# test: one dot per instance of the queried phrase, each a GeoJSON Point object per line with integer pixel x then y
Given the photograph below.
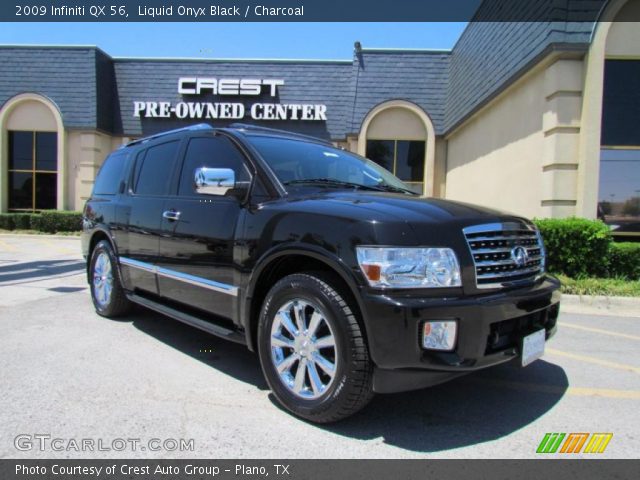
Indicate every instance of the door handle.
{"type": "Point", "coordinates": [171, 215]}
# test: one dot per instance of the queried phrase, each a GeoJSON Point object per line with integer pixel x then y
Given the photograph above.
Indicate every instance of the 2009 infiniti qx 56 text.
{"type": "Point", "coordinates": [344, 281]}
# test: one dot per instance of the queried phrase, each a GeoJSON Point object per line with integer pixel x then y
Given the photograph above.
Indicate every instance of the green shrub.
{"type": "Point", "coordinates": [50, 221]}
{"type": "Point", "coordinates": [624, 261]}
{"type": "Point", "coordinates": [7, 221]}
{"type": "Point", "coordinates": [576, 247]}
{"type": "Point", "coordinates": [53, 221]}
{"type": "Point", "coordinates": [22, 221]}
{"type": "Point", "coordinates": [34, 221]}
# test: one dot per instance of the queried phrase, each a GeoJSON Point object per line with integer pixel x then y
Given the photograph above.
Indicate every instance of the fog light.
{"type": "Point", "coordinates": [439, 335]}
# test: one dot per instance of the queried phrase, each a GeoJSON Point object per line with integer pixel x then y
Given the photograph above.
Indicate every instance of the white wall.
{"type": "Point", "coordinates": [495, 159]}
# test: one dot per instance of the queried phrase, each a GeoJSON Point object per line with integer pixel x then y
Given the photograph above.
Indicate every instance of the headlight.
{"type": "Point", "coordinates": [409, 267]}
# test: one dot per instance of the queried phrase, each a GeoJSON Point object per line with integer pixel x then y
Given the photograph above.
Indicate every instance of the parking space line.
{"type": "Point", "coordinates": [595, 361]}
{"type": "Point", "coordinates": [558, 390]}
{"type": "Point", "coordinates": [599, 330]}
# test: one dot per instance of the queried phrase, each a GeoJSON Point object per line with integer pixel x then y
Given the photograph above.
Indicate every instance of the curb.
{"type": "Point", "coordinates": [600, 305]}
{"type": "Point", "coordinates": [37, 235]}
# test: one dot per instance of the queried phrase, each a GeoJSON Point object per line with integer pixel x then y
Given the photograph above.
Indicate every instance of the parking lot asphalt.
{"type": "Point", "coordinates": [69, 375]}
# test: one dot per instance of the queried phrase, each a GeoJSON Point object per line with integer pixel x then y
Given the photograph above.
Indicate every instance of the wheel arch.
{"type": "Point", "coordinates": [277, 265]}
{"type": "Point", "coordinates": [98, 235]}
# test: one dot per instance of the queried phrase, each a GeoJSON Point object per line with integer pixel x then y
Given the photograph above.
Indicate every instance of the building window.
{"type": "Point", "coordinates": [619, 190]}
{"type": "Point", "coordinates": [33, 170]}
{"type": "Point", "coordinates": [619, 193]}
{"type": "Point", "coordinates": [403, 158]}
{"type": "Point", "coordinates": [621, 103]}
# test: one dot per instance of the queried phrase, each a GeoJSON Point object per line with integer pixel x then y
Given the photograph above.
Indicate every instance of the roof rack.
{"type": "Point", "coordinates": [199, 126]}
{"type": "Point", "coordinates": [257, 128]}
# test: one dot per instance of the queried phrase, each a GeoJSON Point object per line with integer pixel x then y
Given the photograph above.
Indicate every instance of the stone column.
{"type": "Point", "coordinates": [563, 87]}
{"type": "Point", "coordinates": [87, 151]}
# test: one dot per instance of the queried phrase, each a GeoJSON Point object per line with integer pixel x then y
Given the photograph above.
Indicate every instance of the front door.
{"type": "Point", "coordinates": [196, 263]}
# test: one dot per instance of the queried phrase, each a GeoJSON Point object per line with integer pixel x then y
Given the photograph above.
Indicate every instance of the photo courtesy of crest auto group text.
{"type": "Point", "coordinates": [302, 240]}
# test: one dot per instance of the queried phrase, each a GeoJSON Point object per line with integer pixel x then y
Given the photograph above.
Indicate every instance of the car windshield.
{"type": "Point", "coordinates": [300, 162]}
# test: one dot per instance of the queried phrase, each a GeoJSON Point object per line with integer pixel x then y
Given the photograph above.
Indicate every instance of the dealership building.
{"type": "Point", "coordinates": [537, 118]}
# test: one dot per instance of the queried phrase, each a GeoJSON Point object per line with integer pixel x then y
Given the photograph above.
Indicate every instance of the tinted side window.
{"type": "Point", "coordinates": [218, 152]}
{"type": "Point", "coordinates": [154, 173]}
{"type": "Point", "coordinates": [110, 175]}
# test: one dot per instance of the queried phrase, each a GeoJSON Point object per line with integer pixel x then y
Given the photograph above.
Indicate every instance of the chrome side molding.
{"type": "Point", "coordinates": [181, 277]}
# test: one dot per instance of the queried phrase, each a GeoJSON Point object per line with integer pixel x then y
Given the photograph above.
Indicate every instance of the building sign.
{"type": "Point", "coordinates": [189, 108]}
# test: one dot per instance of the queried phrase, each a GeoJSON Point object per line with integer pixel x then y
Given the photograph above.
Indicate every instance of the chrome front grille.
{"type": "Point", "coordinates": [505, 253]}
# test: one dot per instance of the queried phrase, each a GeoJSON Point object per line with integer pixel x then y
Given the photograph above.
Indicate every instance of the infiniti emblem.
{"type": "Point", "coordinates": [520, 256]}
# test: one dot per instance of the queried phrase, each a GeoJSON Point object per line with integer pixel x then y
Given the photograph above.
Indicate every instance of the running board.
{"type": "Point", "coordinates": [190, 320]}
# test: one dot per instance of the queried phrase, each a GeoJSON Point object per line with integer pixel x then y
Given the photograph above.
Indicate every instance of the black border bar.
{"type": "Point", "coordinates": [561, 469]}
{"type": "Point", "coordinates": [303, 11]}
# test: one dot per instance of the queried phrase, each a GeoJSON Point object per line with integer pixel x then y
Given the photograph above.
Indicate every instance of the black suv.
{"type": "Point", "coordinates": [342, 279]}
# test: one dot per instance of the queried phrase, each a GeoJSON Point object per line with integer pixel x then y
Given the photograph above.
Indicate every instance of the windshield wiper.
{"type": "Point", "coordinates": [330, 181]}
{"type": "Point", "coordinates": [390, 188]}
{"type": "Point", "coordinates": [381, 187]}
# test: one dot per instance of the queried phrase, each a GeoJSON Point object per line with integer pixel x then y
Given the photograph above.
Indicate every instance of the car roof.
{"type": "Point", "coordinates": [255, 130]}
{"type": "Point", "coordinates": [190, 128]}
{"type": "Point", "coordinates": [247, 130]}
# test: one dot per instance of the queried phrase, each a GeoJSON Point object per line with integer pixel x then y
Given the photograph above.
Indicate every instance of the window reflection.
{"type": "Point", "coordinates": [619, 192]}
{"type": "Point", "coordinates": [403, 158]}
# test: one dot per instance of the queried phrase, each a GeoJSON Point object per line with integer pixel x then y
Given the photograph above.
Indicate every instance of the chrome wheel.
{"type": "Point", "coordinates": [102, 279]}
{"type": "Point", "coordinates": [303, 349]}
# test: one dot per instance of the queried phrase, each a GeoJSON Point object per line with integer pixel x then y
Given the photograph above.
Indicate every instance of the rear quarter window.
{"type": "Point", "coordinates": [111, 174]}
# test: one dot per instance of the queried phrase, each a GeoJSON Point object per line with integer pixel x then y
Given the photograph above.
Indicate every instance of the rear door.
{"type": "Point", "coordinates": [196, 261]}
{"type": "Point", "coordinates": [141, 214]}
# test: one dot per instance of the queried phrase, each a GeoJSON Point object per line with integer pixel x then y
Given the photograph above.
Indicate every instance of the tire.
{"type": "Point", "coordinates": [306, 385]}
{"type": "Point", "coordinates": [107, 293]}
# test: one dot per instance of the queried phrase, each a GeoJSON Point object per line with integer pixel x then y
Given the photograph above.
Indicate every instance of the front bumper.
{"type": "Point", "coordinates": [490, 329]}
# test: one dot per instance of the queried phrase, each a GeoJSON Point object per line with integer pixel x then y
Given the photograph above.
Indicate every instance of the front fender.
{"type": "Point", "coordinates": [332, 261]}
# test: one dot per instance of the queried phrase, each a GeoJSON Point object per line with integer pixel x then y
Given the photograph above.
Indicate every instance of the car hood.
{"type": "Point", "coordinates": [412, 209]}
{"type": "Point", "coordinates": [432, 220]}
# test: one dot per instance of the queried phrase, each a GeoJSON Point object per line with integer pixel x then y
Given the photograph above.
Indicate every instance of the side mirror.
{"type": "Point", "coordinates": [214, 181]}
